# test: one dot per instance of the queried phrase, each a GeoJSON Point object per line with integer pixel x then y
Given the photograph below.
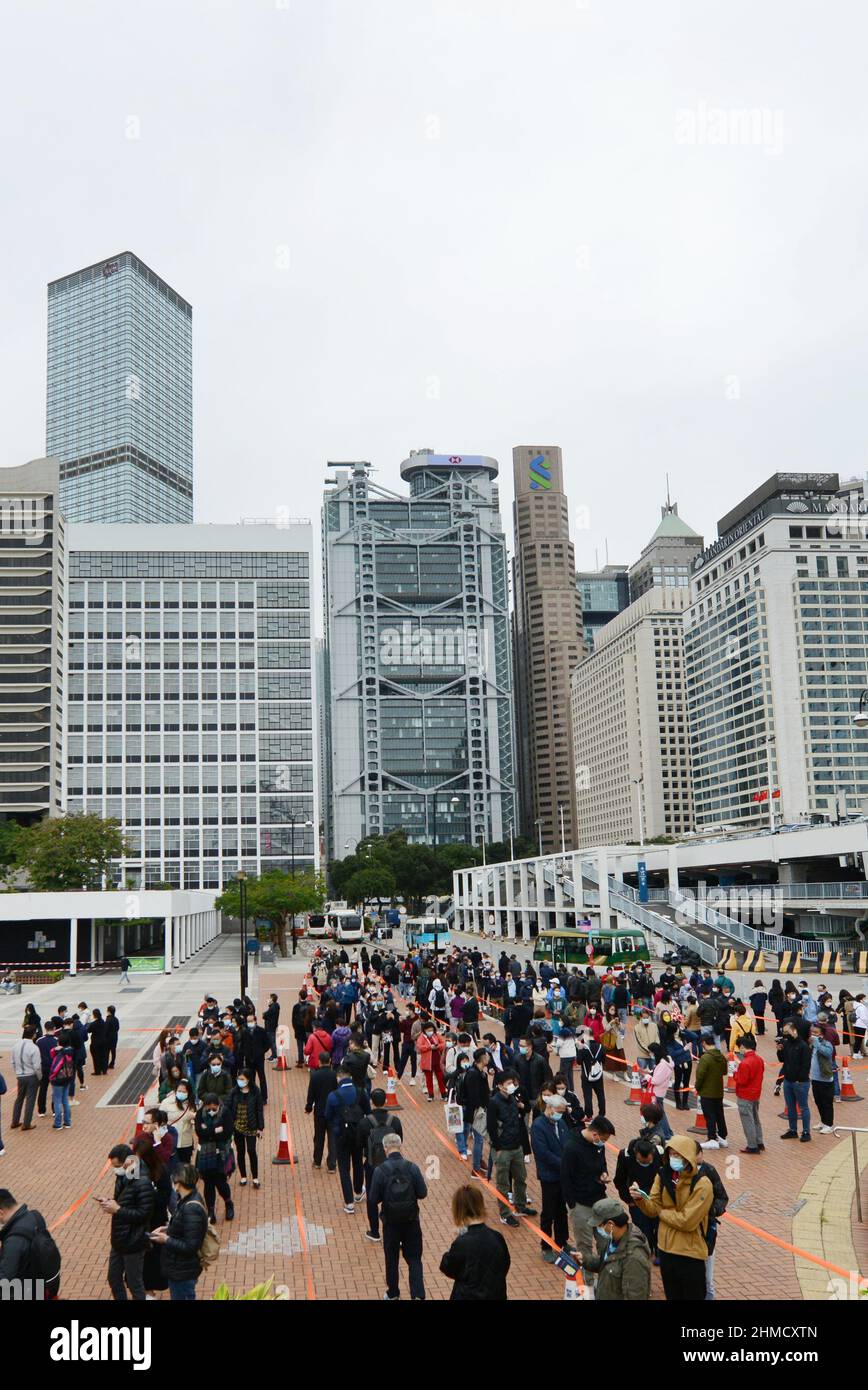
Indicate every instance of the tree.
{"type": "Point", "coordinates": [68, 852]}
{"type": "Point", "coordinates": [10, 832]}
{"type": "Point", "coordinates": [373, 881]}
{"type": "Point", "coordinates": [275, 898]}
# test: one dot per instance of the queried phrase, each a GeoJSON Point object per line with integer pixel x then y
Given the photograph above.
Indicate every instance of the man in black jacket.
{"type": "Point", "coordinates": [130, 1209]}
{"type": "Point", "coordinates": [253, 1045]}
{"type": "Point", "coordinates": [794, 1054]}
{"type": "Point", "coordinates": [584, 1177]}
{"type": "Point", "coordinates": [19, 1227]}
{"type": "Point", "coordinates": [505, 1132]}
{"type": "Point", "coordinates": [397, 1188]}
{"type": "Point", "coordinates": [474, 1093]}
{"type": "Point", "coordinates": [639, 1163]}
{"type": "Point", "coordinates": [322, 1082]}
{"type": "Point", "coordinates": [270, 1020]}
{"type": "Point", "coordinates": [372, 1133]}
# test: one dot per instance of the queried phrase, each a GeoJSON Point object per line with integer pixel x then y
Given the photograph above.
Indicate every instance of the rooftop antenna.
{"type": "Point", "coordinates": [596, 558]}
{"type": "Point", "coordinates": [668, 502]}
{"type": "Point", "coordinates": [606, 543]}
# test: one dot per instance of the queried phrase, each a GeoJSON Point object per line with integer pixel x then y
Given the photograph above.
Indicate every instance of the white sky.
{"type": "Point", "coordinates": [496, 235]}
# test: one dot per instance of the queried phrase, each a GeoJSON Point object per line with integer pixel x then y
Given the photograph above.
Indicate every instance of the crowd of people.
{"type": "Point", "coordinates": [533, 1098]}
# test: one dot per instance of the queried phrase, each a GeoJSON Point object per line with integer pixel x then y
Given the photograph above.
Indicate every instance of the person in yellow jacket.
{"type": "Point", "coordinates": [742, 1023]}
{"type": "Point", "coordinates": [681, 1199]}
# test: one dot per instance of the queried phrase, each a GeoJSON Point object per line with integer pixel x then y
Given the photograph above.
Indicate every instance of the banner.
{"type": "Point", "coordinates": [147, 965]}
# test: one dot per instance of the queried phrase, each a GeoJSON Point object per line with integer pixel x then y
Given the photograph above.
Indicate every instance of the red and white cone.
{"type": "Point", "coordinates": [140, 1118]}
{"type": "Point", "coordinates": [392, 1091]}
{"type": "Point", "coordinates": [731, 1067]}
{"type": "Point", "coordinates": [283, 1154]}
{"type": "Point", "coordinates": [637, 1095]}
{"type": "Point", "coordinates": [848, 1090]}
{"type": "Point", "coordinates": [699, 1126]}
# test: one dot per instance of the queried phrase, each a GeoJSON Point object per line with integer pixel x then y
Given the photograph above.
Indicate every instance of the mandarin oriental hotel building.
{"type": "Point", "coordinates": [189, 711]}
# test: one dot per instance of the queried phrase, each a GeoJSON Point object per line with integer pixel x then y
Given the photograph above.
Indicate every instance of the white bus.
{"type": "Point", "coordinates": [346, 927]}
{"type": "Point", "coordinates": [420, 934]}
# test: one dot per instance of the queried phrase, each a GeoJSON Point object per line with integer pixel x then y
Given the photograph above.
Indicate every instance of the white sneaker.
{"type": "Point", "coordinates": [723, 1143]}
{"type": "Point", "coordinates": [825, 1129]}
{"type": "Point", "coordinates": [710, 1144]}
{"type": "Point", "coordinates": [463, 1157]}
{"type": "Point", "coordinates": [412, 1081]}
{"type": "Point", "coordinates": [75, 1102]}
{"type": "Point", "coordinates": [350, 1210]}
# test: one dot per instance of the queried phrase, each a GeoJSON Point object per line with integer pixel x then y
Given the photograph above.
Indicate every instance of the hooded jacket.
{"type": "Point", "coordinates": [682, 1206]}
{"type": "Point", "coordinates": [319, 1041]}
{"type": "Point", "coordinates": [623, 1270]}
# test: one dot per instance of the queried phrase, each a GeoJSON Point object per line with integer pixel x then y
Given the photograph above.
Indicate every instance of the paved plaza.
{"type": "Point", "coordinates": [294, 1229]}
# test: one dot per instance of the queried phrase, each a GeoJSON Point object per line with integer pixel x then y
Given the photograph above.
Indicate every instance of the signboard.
{"type": "Point", "coordinates": [642, 871]}
{"type": "Point", "coordinates": [147, 965]}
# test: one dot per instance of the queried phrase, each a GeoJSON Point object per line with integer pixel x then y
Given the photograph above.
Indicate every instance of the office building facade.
{"type": "Point", "coordinates": [667, 560]}
{"type": "Point", "coordinates": [189, 712]}
{"type": "Point", "coordinates": [32, 578]}
{"type": "Point", "coordinates": [548, 643]}
{"type": "Point", "coordinates": [629, 713]}
{"type": "Point", "coordinates": [776, 656]}
{"type": "Point", "coordinates": [417, 663]}
{"type": "Point", "coordinates": [119, 412]}
{"type": "Point", "coordinates": [603, 594]}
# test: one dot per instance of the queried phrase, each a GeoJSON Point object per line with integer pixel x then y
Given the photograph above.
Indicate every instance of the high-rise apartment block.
{"type": "Point", "coordinates": [549, 642]}
{"type": "Point", "coordinates": [189, 713]}
{"type": "Point", "coordinates": [417, 664]}
{"type": "Point", "coordinates": [119, 398]}
{"type": "Point", "coordinates": [776, 655]}
{"type": "Point", "coordinates": [31, 632]}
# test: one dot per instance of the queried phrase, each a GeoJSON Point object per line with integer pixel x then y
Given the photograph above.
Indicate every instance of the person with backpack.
{"type": "Point", "coordinates": [345, 1109]}
{"type": "Point", "coordinates": [130, 1209]}
{"type": "Point", "coordinates": [478, 1260]}
{"type": "Point", "coordinates": [372, 1132]}
{"type": "Point", "coordinates": [397, 1188]}
{"type": "Point", "coordinates": [183, 1238]}
{"type": "Point", "coordinates": [822, 1077]}
{"type": "Point", "coordinates": [590, 1059]}
{"type": "Point", "coordinates": [681, 1199]}
{"type": "Point", "coordinates": [61, 1076]}
{"type": "Point", "coordinates": [27, 1249]}
{"type": "Point", "coordinates": [437, 1000]}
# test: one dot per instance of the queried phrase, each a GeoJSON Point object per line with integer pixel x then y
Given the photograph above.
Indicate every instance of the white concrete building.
{"type": "Point", "coordinates": [776, 656]}
{"type": "Point", "coordinates": [629, 725]}
{"type": "Point", "coordinates": [189, 710]}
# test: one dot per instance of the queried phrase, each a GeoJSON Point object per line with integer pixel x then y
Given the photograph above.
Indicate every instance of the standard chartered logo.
{"type": "Point", "coordinates": [540, 473]}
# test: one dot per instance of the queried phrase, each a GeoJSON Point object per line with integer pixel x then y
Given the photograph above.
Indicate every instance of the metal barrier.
{"type": "Point", "coordinates": [853, 1130]}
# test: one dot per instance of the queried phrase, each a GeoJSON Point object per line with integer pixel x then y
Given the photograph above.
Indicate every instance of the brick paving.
{"type": "Point", "coordinates": [294, 1229]}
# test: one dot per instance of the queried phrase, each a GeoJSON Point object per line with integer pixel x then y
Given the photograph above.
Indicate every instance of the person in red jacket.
{"type": "Point", "coordinates": [319, 1041]}
{"type": "Point", "coordinates": [748, 1089]}
{"type": "Point", "coordinates": [431, 1045]}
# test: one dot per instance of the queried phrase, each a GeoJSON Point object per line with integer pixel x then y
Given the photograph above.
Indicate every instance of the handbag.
{"type": "Point", "coordinates": [229, 1162]}
{"type": "Point", "coordinates": [480, 1121]}
{"type": "Point", "coordinates": [454, 1115]}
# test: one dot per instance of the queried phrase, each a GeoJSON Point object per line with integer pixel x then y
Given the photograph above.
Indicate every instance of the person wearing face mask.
{"type": "Point", "coordinates": [130, 1208]}
{"type": "Point", "coordinates": [621, 1260]}
{"type": "Point", "coordinates": [639, 1163]}
{"type": "Point", "coordinates": [548, 1136]}
{"type": "Point", "coordinates": [506, 1130]}
{"type": "Point", "coordinates": [215, 1079]}
{"type": "Point", "coordinates": [246, 1116]}
{"type": "Point", "coordinates": [584, 1177]}
{"type": "Point", "coordinates": [431, 1046]}
{"type": "Point", "coordinates": [574, 1114]}
{"type": "Point", "coordinates": [681, 1199]}
{"type": "Point", "coordinates": [252, 1050]}
{"type": "Point", "coordinates": [473, 1095]}
{"type": "Point", "coordinates": [214, 1133]}
{"type": "Point", "coordinates": [590, 1058]}
{"type": "Point", "coordinates": [181, 1239]}
{"type": "Point", "coordinates": [180, 1110]}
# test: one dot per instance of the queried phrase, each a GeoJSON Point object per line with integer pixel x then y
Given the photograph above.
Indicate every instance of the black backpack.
{"type": "Point", "coordinates": [351, 1119]}
{"type": "Point", "coordinates": [439, 1000]}
{"type": "Point", "coordinates": [376, 1152]}
{"type": "Point", "coordinates": [45, 1259]}
{"type": "Point", "coordinates": [400, 1205]}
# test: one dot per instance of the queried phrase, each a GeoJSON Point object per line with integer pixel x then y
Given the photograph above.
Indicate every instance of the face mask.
{"type": "Point", "coordinates": [676, 1164]}
{"type": "Point", "coordinates": [509, 1089]}
{"type": "Point", "coordinates": [553, 1114]}
{"type": "Point", "coordinates": [212, 1114]}
{"type": "Point", "coordinates": [601, 1231]}
{"type": "Point", "coordinates": [181, 1096]}
{"type": "Point", "coordinates": [216, 1069]}
{"type": "Point", "coordinates": [242, 1083]}
{"type": "Point", "coordinates": [562, 1090]}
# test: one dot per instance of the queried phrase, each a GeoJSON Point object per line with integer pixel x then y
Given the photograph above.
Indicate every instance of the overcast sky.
{"type": "Point", "coordinates": [464, 224]}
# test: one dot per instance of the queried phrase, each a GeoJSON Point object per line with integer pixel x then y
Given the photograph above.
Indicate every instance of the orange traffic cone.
{"type": "Point", "coordinates": [140, 1118]}
{"type": "Point", "coordinates": [848, 1090]}
{"type": "Point", "coordinates": [699, 1126]}
{"type": "Point", "coordinates": [283, 1154]}
{"type": "Point", "coordinates": [637, 1095]}
{"type": "Point", "coordinates": [280, 1064]}
{"type": "Point", "coordinates": [392, 1091]}
{"type": "Point", "coordinates": [730, 1072]}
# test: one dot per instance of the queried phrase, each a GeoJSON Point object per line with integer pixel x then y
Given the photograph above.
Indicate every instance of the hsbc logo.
{"type": "Point", "coordinates": [111, 268]}
{"type": "Point", "coordinates": [24, 518]}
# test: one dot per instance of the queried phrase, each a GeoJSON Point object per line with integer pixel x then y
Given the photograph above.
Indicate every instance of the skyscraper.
{"type": "Point", "coordinates": [417, 664]}
{"type": "Point", "coordinates": [549, 643]}
{"type": "Point", "coordinates": [603, 595]}
{"type": "Point", "coordinates": [31, 628]}
{"type": "Point", "coordinates": [668, 557]}
{"type": "Point", "coordinates": [119, 397]}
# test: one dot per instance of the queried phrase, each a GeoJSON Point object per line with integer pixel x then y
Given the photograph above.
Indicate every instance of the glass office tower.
{"type": "Point", "coordinates": [119, 399]}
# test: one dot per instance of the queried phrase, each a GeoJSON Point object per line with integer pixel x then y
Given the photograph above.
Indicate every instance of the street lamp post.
{"type": "Point", "coordinates": [511, 844]}
{"type": "Point", "coordinates": [563, 842]}
{"type": "Point", "coordinates": [242, 894]}
{"type": "Point", "coordinates": [539, 825]}
{"type": "Point", "coordinates": [769, 741]}
{"type": "Point", "coordinates": [305, 825]}
{"type": "Point", "coordinates": [637, 783]}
